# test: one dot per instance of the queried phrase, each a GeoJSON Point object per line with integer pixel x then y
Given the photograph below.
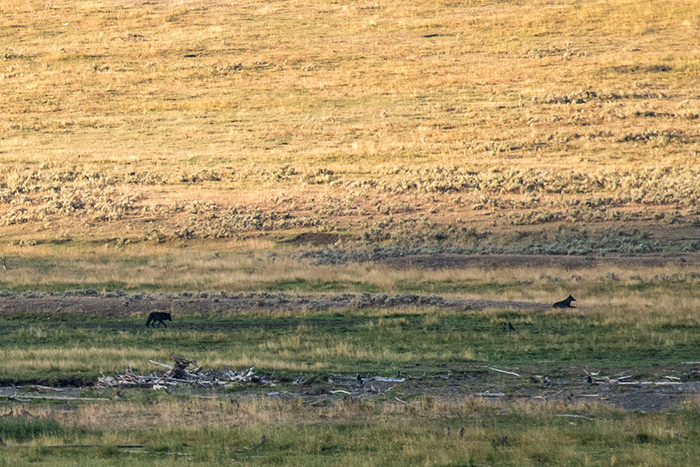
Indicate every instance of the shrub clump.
{"type": "Point", "coordinates": [562, 241]}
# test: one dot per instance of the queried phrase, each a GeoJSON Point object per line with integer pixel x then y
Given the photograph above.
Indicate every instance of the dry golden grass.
{"type": "Point", "coordinates": [358, 433]}
{"type": "Point", "coordinates": [93, 360]}
{"type": "Point", "coordinates": [126, 122]}
{"type": "Point", "coordinates": [174, 269]}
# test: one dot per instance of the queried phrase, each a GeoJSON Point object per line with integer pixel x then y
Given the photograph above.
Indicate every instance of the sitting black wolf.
{"type": "Point", "coordinates": [566, 303]}
{"type": "Point", "coordinates": [157, 316]}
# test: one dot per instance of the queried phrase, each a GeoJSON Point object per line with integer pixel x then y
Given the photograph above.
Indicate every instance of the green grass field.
{"type": "Point", "coordinates": [626, 326]}
{"type": "Point", "coordinates": [641, 335]}
{"type": "Point", "coordinates": [463, 432]}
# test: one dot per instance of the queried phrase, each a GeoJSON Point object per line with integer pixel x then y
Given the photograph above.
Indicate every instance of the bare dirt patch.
{"type": "Point", "coordinates": [123, 306]}
{"type": "Point", "coordinates": [446, 261]}
{"type": "Point", "coordinates": [315, 239]}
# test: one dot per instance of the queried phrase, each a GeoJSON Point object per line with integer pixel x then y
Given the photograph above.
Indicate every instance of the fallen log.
{"type": "Point", "coordinates": [506, 372]}
{"type": "Point", "coordinates": [169, 367]}
{"type": "Point", "coordinates": [54, 398]}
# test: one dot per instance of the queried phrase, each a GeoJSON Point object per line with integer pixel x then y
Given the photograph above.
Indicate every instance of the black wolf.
{"type": "Point", "coordinates": [157, 316]}
{"type": "Point", "coordinates": [566, 303]}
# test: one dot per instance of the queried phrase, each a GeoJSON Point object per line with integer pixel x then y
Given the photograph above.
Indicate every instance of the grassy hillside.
{"type": "Point", "coordinates": [241, 124]}
{"type": "Point", "coordinates": [311, 186]}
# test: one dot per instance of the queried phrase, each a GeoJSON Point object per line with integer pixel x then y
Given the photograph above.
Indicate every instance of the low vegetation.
{"type": "Point", "coordinates": [633, 321]}
{"type": "Point", "coordinates": [423, 431]}
{"type": "Point", "coordinates": [129, 123]}
{"type": "Point", "coordinates": [389, 156]}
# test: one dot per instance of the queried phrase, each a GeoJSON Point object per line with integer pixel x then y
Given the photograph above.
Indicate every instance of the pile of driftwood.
{"type": "Point", "coordinates": [180, 373]}
{"type": "Point", "coordinates": [625, 380]}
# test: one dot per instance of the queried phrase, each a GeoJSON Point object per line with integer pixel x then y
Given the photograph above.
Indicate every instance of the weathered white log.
{"type": "Point", "coordinates": [388, 380]}
{"type": "Point", "coordinates": [506, 372]}
{"type": "Point", "coordinates": [169, 367]}
{"type": "Point", "coordinates": [53, 398]}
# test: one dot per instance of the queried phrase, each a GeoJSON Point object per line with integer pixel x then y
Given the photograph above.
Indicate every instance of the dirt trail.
{"type": "Point", "coordinates": [447, 261]}
{"type": "Point", "coordinates": [125, 306]}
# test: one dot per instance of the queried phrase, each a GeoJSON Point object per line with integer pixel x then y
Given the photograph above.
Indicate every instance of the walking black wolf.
{"type": "Point", "coordinates": [566, 303]}
{"type": "Point", "coordinates": [159, 317]}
